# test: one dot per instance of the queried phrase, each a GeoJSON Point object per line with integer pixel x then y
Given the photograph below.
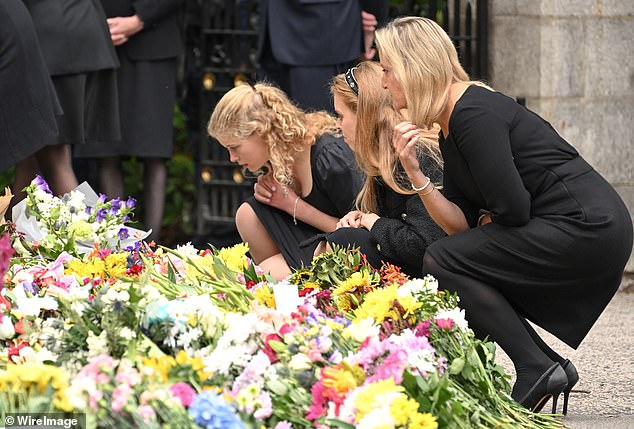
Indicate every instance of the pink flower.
{"type": "Point", "coordinates": [120, 396]}
{"type": "Point", "coordinates": [183, 392]}
{"type": "Point", "coordinates": [147, 413]}
{"type": "Point", "coordinates": [446, 324]}
{"type": "Point", "coordinates": [6, 252]}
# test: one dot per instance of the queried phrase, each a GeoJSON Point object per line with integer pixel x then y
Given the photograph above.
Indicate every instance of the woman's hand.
{"type": "Point", "coordinates": [268, 191]}
{"type": "Point", "coordinates": [404, 139]}
{"type": "Point", "coordinates": [351, 220]}
{"type": "Point", "coordinates": [123, 27]}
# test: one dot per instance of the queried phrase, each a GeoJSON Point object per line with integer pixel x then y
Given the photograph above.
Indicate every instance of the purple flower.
{"type": "Point", "coordinates": [102, 198]}
{"type": "Point", "coordinates": [116, 203]}
{"type": "Point", "coordinates": [88, 209]}
{"type": "Point", "coordinates": [41, 184]}
{"type": "Point", "coordinates": [30, 288]}
{"type": "Point", "coordinates": [123, 233]}
{"type": "Point", "coordinates": [131, 202]}
{"type": "Point", "coordinates": [101, 215]}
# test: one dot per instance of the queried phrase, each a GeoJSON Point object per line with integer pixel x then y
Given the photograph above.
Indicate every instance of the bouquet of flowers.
{"type": "Point", "coordinates": [75, 222]}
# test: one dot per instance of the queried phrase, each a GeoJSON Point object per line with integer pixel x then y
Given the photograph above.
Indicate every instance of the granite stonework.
{"type": "Point", "coordinates": [573, 62]}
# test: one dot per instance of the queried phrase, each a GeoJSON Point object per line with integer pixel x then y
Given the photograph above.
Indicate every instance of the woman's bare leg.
{"type": "Point", "coordinates": [262, 248]}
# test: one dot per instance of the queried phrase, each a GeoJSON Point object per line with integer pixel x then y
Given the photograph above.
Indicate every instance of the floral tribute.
{"type": "Point", "coordinates": [150, 337]}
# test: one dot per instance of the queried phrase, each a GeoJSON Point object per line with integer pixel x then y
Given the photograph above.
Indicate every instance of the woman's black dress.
{"type": "Point", "coordinates": [28, 103]}
{"type": "Point", "coordinates": [560, 236]}
{"type": "Point", "coordinates": [336, 183]}
{"type": "Point", "coordinates": [402, 233]}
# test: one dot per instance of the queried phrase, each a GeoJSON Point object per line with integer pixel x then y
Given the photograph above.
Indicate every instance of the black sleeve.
{"type": "Point", "coordinates": [482, 137]}
{"type": "Point", "coordinates": [407, 238]}
{"type": "Point", "coordinates": [153, 11]}
{"type": "Point", "coordinates": [379, 8]}
{"type": "Point", "coordinates": [338, 175]}
{"type": "Point", "coordinates": [453, 194]}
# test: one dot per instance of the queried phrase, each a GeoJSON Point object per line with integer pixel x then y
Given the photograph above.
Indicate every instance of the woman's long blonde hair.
{"type": "Point", "coordinates": [425, 62]}
{"type": "Point", "coordinates": [266, 110]}
{"type": "Point", "coordinates": [373, 147]}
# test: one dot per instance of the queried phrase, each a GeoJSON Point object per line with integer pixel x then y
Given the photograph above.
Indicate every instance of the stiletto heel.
{"type": "Point", "coordinates": [573, 378]}
{"type": "Point", "coordinates": [555, 398]}
{"type": "Point", "coordinates": [549, 385]}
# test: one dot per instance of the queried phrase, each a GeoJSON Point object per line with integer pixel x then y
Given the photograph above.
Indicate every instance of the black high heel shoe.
{"type": "Point", "coordinates": [549, 385]}
{"type": "Point", "coordinates": [573, 378]}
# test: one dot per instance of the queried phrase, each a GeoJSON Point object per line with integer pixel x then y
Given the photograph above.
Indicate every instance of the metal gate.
{"type": "Point", "coordinates": [222, 37]}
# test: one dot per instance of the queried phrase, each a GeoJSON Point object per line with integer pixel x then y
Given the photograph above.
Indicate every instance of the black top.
{"type": "Point", "coordinates": [336, 183]}
{"type": "Point", "coordinates": [73, 35]}
{"type": "Point", "coordinates": [560, 236]}
{"type": "Point", "coordinates": [160, 37]}
{"type": "Point", "coordinates": [402, 233]}
{"type": "Point", "coordinates": [405, 229]}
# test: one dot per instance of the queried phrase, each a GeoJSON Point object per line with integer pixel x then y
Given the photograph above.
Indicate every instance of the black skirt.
{"type": "Point", "coordinates": [91, 107]}
{"type": "Point", "coordinates": [147, 95]}
{"type": "Point", "coordinates": [28, 103]}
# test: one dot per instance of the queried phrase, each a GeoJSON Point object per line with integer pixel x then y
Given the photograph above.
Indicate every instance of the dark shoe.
{"type": "Point", "coordinates": [573, 378]}
{"type": "Point", "coordinates": [549, 385]}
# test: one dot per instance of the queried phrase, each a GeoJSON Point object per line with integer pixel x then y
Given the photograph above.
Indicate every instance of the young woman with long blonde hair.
{"type": "Point", "coordinates": [390, 222]}
{"type": "Point", "coordinates": [535, 233]}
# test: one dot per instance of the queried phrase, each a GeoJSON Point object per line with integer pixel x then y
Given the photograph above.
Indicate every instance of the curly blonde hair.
{"type": "Point", "coordinates": [373, 147]}
{"type": "Point", "coordinates": [265, 110]}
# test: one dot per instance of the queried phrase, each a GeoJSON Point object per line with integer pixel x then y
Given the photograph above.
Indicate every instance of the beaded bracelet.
{"type": "Point", "coordinates": [422, 188]}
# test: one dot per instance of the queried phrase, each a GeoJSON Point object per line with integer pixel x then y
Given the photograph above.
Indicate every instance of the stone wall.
{"type": "Point", "coordinates": [573, 60]}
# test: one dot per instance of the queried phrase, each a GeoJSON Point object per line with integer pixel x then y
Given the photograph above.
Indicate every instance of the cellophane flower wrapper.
{"type": "Point", "coordinates": [74, 222]}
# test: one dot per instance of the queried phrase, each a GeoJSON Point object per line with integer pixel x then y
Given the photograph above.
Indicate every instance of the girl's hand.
{"type": "Point", "coordinates": [404, 139]}
{"type": "Point", "coordinates": [268, 191]}
{"type": "Point", "coordinates": [351, 220]}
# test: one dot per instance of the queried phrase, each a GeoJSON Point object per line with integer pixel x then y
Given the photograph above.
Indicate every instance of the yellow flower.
{"type": "Point", "coordinates": [161, 366]}
{"type": "Point", "coordinates": [234, 257]}
{"type": "Point", "coordinates": [34, 379]}
{"type": "Point", "coordinates": [115, 264]}
{"type": "Point", "coordinates": [378, 305]}
{"type": "Point", "coordinates": [343, 378]}
{"type": "Point", "coordinates": [90, 268]}
{"type": "Point", "coordinates": [402, 409]}
{"type": "Point", "coordinates": [423, 421]}
{"type": "Point", "coordinates": [356, 280]}
{"type": "Point", "coordinates": [264, 296]}
{"type": "Point", "coordinates": [379, 391]}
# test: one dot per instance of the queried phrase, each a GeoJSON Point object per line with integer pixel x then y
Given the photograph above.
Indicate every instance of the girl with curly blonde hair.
{"type": "Point", "coordinates": [308, 177]}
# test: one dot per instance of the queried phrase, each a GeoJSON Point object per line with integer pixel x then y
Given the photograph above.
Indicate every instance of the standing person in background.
{"type": "Point", "coordinates": [28, 103]}
{"type": "Point", "coordinates": [303, 44]}
{"type": "Point", "coordinates": [535, 233]}
{"type": "Point", "coordinates": [148, 41]}
{"type": "Point", "coordinates": [390, 222]}
{"type": "Point", "coordinates": [74, 39]}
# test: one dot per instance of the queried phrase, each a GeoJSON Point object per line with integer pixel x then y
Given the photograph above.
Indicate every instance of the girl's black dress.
{"type": "Point", "coordinates": [560, 236]}
{"type": "Point", "coordinates": [336, 183]}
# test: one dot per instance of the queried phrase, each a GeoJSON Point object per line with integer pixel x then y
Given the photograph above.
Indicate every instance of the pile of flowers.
{"type": "Point", "coordinates": [140, 336]}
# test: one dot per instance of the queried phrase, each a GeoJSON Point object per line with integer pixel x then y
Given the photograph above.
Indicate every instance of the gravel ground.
{"type": "Point", "coordinates": [604, 396]}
